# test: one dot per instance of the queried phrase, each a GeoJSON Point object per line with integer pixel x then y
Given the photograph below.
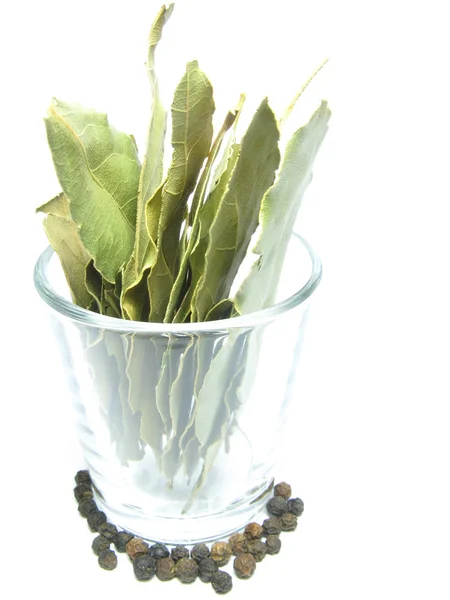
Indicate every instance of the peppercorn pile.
{"type": "Point", "coordinates": [201, 562]}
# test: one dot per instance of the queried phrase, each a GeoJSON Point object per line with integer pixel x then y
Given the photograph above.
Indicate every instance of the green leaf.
{"type": "Point", "coordinates": [279, 209]}
{"type": "Point", "coordinates": [63, 236]}
{"type": "Point", "coordinates": [98, 170]}
{"type": "Point", "coordinates": [180, 401]}
{"type": "Point", "coordinates": [197, 202]}
{"type": "Point", "coordinates": [103, 292]}
{"type": "Point", "coordinates": [222, 310]}
{"type": "Point", "coordinates": [135, 301]}
{"type": "Point", "coordinates": [237, 215]}
{"type": "Point", "coordinates": [143, 374]}
{"type": "Point", "coordinates": [206, 216]}
{"type": "Point", "coordinates": [192, 111]}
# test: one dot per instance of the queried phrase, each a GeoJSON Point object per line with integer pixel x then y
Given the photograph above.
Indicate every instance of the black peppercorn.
{"type": "Point", "coordinates": [136, 547]}
{"type": "Point", "coordinates": [121, 540]}
{"type": "Point", "coordinates": [83, 477]}
{"type": "Point", "coordinates": [95, 519]}
{"type": "Point", "coordinates": [257, 548]}
{"type": "Point", "coordinates": [237, 543]}
{"type": "Point", "coordinates": [206, 569]}
{"type": "Point", "coordinates": [221, 553]}
{"type": "Point", "coordinates": [83, 492]}
{"type": "Point", "coordinates": [277, 506]}
{"type": "Point", "coordinates": [186, 569]}
{"type": "Point", "coordinates": [86, 507]}
{"type": "Point", "coordinates": [244, 565]}
{"type": "Point", "coordinates": [296, 506]}
{"type": "Point", "coordinates": [107, 560]}
{"type": "Point", "coordinates": [273, 544]}
{"type": "Point", "coordinates": [199, 552]}
{"type": "Point", "coordinates": [288, 522]}
{"type": "Point", "coordinates": [108, 530]}
{"type": "Point", "coordinates": [179, 552]}
{"type": "Point", "coordinates": [159, 551]}
{"type": "Point", "coordinates": [144, 567]}
{"type": "Point", "coordinates": [272, 526]}
{"type": "Point", "coordinates": [99, 544]}
{"type": "Point", "coordinates": [282, 489]}
{"type": "Point", "coordinates": [221, 582]}
{"type": "Point", "coordinates": [253, 531]}
{"type": "Point", "coordinates": [165, 569]}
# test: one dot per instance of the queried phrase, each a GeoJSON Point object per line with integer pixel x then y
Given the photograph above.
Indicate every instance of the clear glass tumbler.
{"type": "Point", "coordinates": [180, 424]}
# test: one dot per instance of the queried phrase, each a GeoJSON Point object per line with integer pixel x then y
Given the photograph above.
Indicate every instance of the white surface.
{"type": "Point", "coordinates": [368, 446]}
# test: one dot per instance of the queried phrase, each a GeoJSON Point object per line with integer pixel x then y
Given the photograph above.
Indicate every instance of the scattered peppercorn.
{"type": "Point", "coordinates": [221, 553]}
{"type": "Point", "coordinates": [186, 569]}
{"type": "Point", "coordinates": [121, 540]}
{"type": "Point", "coordinates": [237, 543]}
{"type": "Point", "coordinates": [288, 522]}
{"type": "Point", "coordinates": [144, 567]}
{"type": "Point", "coordinates": [83, 492]}
{"type": "Point", "coordinates": [272, 526]}
{"type": "Point", "coordinates": [273, 544]}
{"type": "Point", "coordinates": [100, 543]}
{"type": "Point", "coordinates": [136, 547]}
{"type": "Point", "coordinates": [221, 582]}
{"type": "Point", "coordinates": [86, 507]}
{"type": "Point", "coordinates": [108, 530]}
{"type": "Point", "coordinates": [244, 565]}
{"type": "Point", "coordinates": [257, 548]}
{"type": "Point", "coordinates": [83, 477]}
{"type": "Point", "coordinates": [254, 531]}
{"type": "Point", "coordinates": [95, 519]}
{"type": "Point", "coordinates": [199, 552]}
{"type": "Point", "coordinates": [277, 506]}
{"type": "Point", "coordinates": [282, 489]}
{"type": "Point", "coordinates": [296, 506]}
{"type": "Point", "coordinates": [107, 559]}
{"type": "Point", "coordinates": [179, 552]}
{"type": "Point", "coordinates": [165, 569]}
{"type": "Point", "coordinates": [159, 551]}
{"type": "Point", "coordinates": [206, 569]}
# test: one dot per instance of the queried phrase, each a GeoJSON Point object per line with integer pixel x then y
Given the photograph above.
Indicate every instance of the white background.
{"type": "Point", "coordinates": [368, 449]}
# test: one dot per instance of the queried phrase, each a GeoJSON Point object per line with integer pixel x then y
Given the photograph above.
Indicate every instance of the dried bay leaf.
{"type": "Point", "coordinates": [237, 214]}
{"type": "Point", "coordinates": [192, 111]}
{"type": "Point", "coordinates": [62, 233]}
{"type": "Point", "coordinates": [206, 216]}
{"type": "Point", "coordinates": [279, 209]}
{"type": "Point", "coordinates": [197, 202]}
{"type": "Point", "coordinates": [135, 300]}
{"type": "Point", "coordinates": [180, 402]}
{"type": "Point", "coordinates": [98, 170]}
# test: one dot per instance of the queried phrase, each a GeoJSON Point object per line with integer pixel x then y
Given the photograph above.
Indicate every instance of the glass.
{"type": "Point", "coordinates": [180, 424]}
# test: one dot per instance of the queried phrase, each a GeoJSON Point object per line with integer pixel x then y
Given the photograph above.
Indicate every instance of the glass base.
{"type": "Point", "coordinates": [187, 530]}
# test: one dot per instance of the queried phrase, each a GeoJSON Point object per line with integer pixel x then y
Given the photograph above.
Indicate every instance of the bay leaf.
{"type": "Point", "coordinates": [180, 401]}
{"type": "Point", "coordinates": [103, 292]}
{"type": "Point", "coordinates": [197, 202]}
{"type": "Point", "coordinates": [98, 170]}
{"type": "Point", "coordinates": [206, 216]}
{"type": "Point", "coordinates": [192, 111]}
{"type": "Point", "coordinates": [135, 300]}
{"type": "Point", "coordinates": [206, 348]}
{"type": "Point", "coordinates": [279, 209]}
{"type": "Point", "coordinates": [237, 215]}
{"type": "Point", "coordinates": [62, 233]}
{"type": "Point", "coordinates": [143, 372]}
{"type": "Point", "coordinates": [129, 447]}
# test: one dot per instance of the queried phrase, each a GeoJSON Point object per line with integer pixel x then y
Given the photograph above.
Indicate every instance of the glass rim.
{"type": "Point", "coordinates": [82, 315]}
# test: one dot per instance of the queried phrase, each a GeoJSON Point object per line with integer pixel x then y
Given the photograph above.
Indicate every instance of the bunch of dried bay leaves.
{"type": "Point", "coordinates": [140, 244]}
